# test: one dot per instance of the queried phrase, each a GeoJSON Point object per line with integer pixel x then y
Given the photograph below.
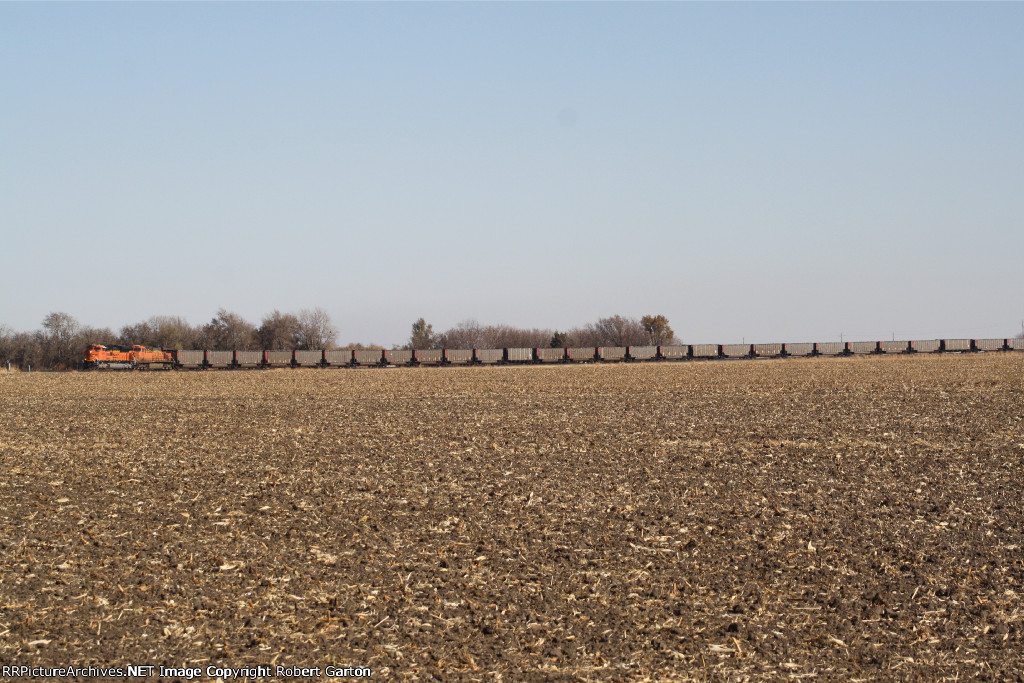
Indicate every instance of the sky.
{"type": "Point", "coordinates": [756, 172]}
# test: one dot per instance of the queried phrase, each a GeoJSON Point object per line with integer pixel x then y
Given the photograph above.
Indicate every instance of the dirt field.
{"type": "Point", "coordinates": [840, 518]}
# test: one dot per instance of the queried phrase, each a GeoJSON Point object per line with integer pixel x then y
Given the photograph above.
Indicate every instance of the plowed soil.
{"type": "Point", "coordinates": [840, 518]}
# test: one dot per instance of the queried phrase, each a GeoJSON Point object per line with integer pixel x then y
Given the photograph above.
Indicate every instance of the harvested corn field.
{"type": "Point", "coordinates": [841, 518]}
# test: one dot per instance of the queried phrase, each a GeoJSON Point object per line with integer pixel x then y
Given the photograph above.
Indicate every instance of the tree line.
{"type": "Point", "coordinates": [61, 341]}
{"type": "Point", "coordinates": [616, 330]}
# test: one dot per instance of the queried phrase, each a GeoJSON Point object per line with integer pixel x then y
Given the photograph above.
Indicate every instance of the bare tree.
{"type": "Point", "coordinates": [278, 331]}
{"type": "Point", "coordinates": [139, 333]}
{"type": "Point", "coordinates": [60, 332]}
{"type": "Point", "coordinates": [422, 336]}
{"type": "Point", "coordinates": [7, 346]}
{"type": "Point", "coordinates": [613, 331]}
{"type": "Point", "coordinates": [466, 335]}
{"type": "Point", "coordinates": [620, 331]}
{"type": "Point", "coordinates": [315, 330]}
{"type": "Point", "coordinates": [583, 336]}
{"type": "Point", "coordinates": [24, 349]}
{"type": "Point", "coordinates": [161, 331]}
{"type": "Point", "coordinates": [6, 336]}
{"type": "Point", "coordinates": [60, 326]}
{"type": "Point", "coordinates": [359, 346]}
{"type": "Point", "coordinates": [657, 329]}
{"type": "Point", "coordinates": [96, 335]}
{"type": "Point", "coordinates": [506, 336]}
{"type": "Point", "coordinates": [229, 331]}
{"type": "Point", "coordinates": [173, 332]}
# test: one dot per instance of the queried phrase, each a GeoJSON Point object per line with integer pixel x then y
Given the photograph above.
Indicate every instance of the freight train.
{"type": "Point", "coordinates": [101, 357]}
{"type": "Point", "coordinates": [142, 358]}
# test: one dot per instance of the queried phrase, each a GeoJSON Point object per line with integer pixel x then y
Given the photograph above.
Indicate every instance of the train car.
{"type": "Point", "coordinates": [990, 344]}
{"type": "Point", "coordinates": [798, 349]}
{"type": "Point", "coordinates": [309, 359]}
{"type": "Point", "coordinates": [488, 356]}
{"type": "Point", "coordinates": [767, 350]}
{"type": "Point", "coordinates": [338, 358]}
{"type": "Point", "coordinates": [638, 353]}
{"type": "Point", "coordinates": [957, 345]}
{"type": "Point", "coordinates": [220, 359]}
{"type": "Point", "coordinates": [251, 359]}
{"type": "Point", "coordinates": [367, 357]}
{"type": "Point", "coordinates": [581, 354]}
{"type": "Point", "coordinates": [830, 348]}
{"type": "Point", "coordinates": [428, 356]}
{"type": "Point", "coordinates": [517, 355]}
{"type": "Point", "coordinates": [1015, 344]}
{"type": "Point", "coordinates": [397, 356]}
{"type": "Point", "coordinates": [152, 359]}
{"type": "Point", "coordinates": [925, 346]}
{"type": "Point", "coordinates": [278, 359]}
{"type": "Point", "coordinates": [737, 350]}
{"type": "Point", "coordinates": [544, 355]}
{"type": "Point", "coordinates": [862, 348]}
{"type": "Point", "coordinates": [890, 347]}
{"type": "Point", "coordinates": [101, 357]}
{"type": "Point", "coordinates": [458, 356]}
{"type": "Point", "coordinates": [674, 352]}
{"type": "Point", "coordinates": [704, 350]}
{"type": "Point", "coordinates": [611, 354]}
{"type": "Point", "coordinates": [190, 359]}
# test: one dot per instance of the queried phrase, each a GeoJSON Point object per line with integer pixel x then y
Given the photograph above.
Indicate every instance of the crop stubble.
{"type": "Point", "coordinates": [845, 518]}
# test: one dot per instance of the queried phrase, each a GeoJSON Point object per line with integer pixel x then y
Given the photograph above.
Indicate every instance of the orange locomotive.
{"type": "Point", "coordinates": [127, 358]}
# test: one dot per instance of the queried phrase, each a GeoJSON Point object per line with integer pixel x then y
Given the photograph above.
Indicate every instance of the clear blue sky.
{"type": "Point", "coordinates": [758, 172]}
